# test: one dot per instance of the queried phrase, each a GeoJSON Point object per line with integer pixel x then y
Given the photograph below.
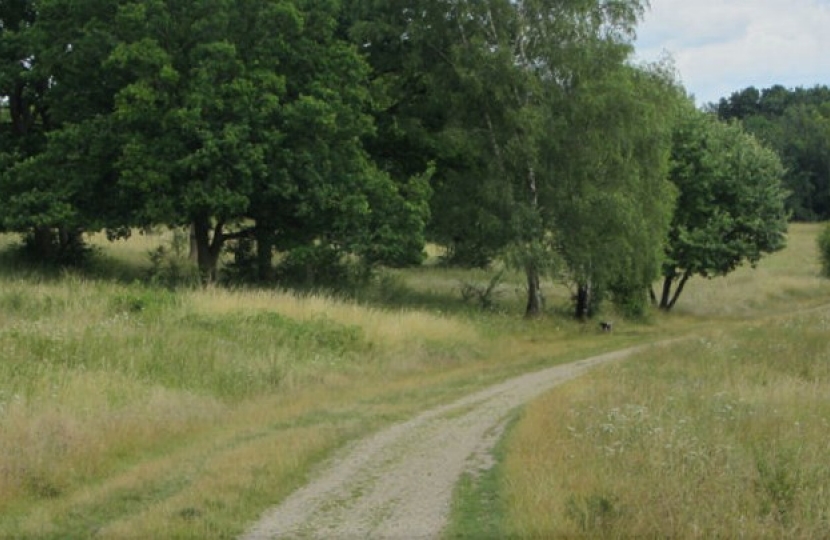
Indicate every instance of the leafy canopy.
{"type": "Point", "coordinates": [730, 208]}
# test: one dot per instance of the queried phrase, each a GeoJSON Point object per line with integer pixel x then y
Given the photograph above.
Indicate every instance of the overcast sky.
{"type": "Point", "coordinates": [721, 46]}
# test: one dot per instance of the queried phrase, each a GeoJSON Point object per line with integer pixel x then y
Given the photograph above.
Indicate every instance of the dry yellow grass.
{"type": "Point", "coordinates": [390, 328]}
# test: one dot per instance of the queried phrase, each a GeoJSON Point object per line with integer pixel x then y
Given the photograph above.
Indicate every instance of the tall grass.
{"type": "Point", "coordinates": [135, 411]}
{"type": "Point", "coordinates": [129, 410]}
{"type": "Point", "coordinates": [722, 435]}
{"type": "Point", "coordinates": [100, 381]}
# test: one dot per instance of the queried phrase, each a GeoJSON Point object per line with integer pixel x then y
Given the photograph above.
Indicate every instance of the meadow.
{"type": "Point", "coordinates": [721, 435]}
{"type": "Point", "coordinates": [129, 409]}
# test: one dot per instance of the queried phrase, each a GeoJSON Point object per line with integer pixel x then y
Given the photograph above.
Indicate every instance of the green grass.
{"type": "Point", "coordinates": [479, 509]}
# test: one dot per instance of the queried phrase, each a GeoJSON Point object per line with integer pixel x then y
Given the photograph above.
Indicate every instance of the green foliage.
{"type": "Point", "coordinates": [824, 250]}
{"type": "Point", "coordinates": [170, 266]}
{"type": "Point", "coordinates": [227, 112]}
{"type": "Point", "coordinates": [56, 152]}
{"type": "Point", "coordinates": [731, 205]}
{"type": "Point", "coordinates": [796, 124]}
{"type": "Point", "coordinates": [322, 267]}
{"type": "Point", "coordinates": [481, 90]}
{"type": "Point", "coordinates": [611, 200]}
{"type": "Point", "coordinates": [630, 298]}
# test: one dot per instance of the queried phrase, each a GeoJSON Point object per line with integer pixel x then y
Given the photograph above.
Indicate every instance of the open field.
{"type": "Point", "coordinates": [721, 435]}
{"type": "Point", "coordinates": [134, 411]}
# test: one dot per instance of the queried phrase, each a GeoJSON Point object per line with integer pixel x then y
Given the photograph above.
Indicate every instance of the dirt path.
{"type": "Point", "coordinates": [399, 482]}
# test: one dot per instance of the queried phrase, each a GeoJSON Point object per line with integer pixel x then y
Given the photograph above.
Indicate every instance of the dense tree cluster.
{"type": "Point", "coordinates": [796, 124]}
{"type": "Point", "coordinates": [236, 117]}
{"type": "Point", "coordinates": [362, 128]}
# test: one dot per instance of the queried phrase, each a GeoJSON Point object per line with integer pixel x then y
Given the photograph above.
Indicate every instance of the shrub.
{"type": "Point", "coordinates": [322, 267]}
{"type": "Point", "coordinates": [170, 266]}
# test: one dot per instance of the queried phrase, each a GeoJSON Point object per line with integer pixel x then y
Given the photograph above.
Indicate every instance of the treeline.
{"type": "Point", "coordinates": [796, 124]}
{"type": "Point", "coordinates": [359, 129]}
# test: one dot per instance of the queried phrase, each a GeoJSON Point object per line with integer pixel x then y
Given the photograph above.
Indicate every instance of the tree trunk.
{"type": "Point", "coordinates": [207, 248]}
{"type": "Point", "coordinates": [679, 289]}
{"type": "Point", "coordinates": [70, 239]}
{"type": "Point", "coordinates": [583, 302]}
{"type": "Point", "coordinates": [534, 292]}
{"type": "Point", "coordinates": [665, 297]}
{"type": "Point", "coordinates": [668, 300]}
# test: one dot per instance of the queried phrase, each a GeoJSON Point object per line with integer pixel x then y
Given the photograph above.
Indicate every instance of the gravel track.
{"type": "Point", "coordinates": [398, 483]}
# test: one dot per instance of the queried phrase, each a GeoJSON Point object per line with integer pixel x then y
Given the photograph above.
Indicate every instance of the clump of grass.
{"type": "Point", "coordinates": [722, 436]}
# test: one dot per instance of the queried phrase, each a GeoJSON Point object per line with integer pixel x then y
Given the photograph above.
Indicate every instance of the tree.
{"type": "Point", "coordinates": [730, 208]}
{"type": "Point", "coordinates": [238, 110]}
{"type": "Point", "coordinates": [796, 124]}
{"type": "Point", "coordinates": [418, 93]}
{"type": "Point", "coordinates": [517, 65]}
{"type": "Point", "coordinates": [516, 83]}
{"type": "Point", "coordinates": [25, 120]}
{"type": "Point", "coordinates": [609, 195]}
{"type": "Point", "coordinates": [56, 176]}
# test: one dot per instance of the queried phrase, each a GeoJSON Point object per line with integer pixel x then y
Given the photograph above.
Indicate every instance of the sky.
{"type": "Point", "coordinates": [722, 46]}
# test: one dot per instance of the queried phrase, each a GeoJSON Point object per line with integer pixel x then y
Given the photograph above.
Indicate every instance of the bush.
{"type": "Point", "coordinates": [630, 299]}
{"type": "Point", "coordinates": [170, 266]}
{"type": "Point", "coordinates": [824, 250]}
{"type": "Point", "coordinates": [322, 267]}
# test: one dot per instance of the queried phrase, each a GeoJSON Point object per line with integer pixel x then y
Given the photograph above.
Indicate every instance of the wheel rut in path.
{"type": "Point", "coordinates": [398, 483]}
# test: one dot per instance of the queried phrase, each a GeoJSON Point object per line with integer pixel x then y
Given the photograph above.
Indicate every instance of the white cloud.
{"type": "Point", "coordinates": [721, 46]}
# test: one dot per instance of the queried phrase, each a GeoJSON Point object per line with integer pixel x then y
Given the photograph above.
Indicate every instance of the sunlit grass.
{"type": "Point", "coordinates": [722, 436]}
{"type": "Point", "coordinates": [391, 327]}
{"type": "Point", "coordinates": [99, 380]}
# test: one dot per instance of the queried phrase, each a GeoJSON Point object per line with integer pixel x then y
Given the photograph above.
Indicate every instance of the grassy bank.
{"type": "Point", "coordinates": [721, 435]}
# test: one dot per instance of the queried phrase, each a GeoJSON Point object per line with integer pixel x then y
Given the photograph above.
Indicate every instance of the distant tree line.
{"type": "Point", "coordinates": [360, 129]}
{"type": "Point", "coordinates": [796, 124]}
